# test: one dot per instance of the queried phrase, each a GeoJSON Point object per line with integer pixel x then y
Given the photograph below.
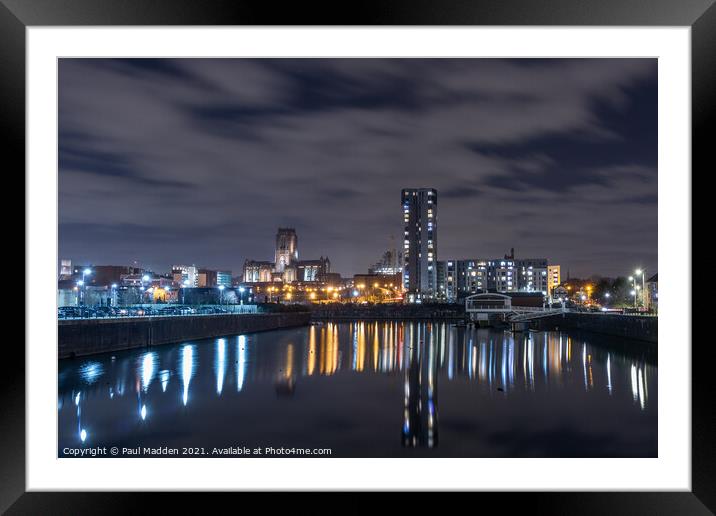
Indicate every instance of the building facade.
{"type": "Point", "coordinates": [257, 271]}
{"type": "Point", "coordinates": [223, 278]}
{"type": "Point", "coordinates": [390, 263]}
{"type": "Point", "coordinates": [286, 248]}
{"type": "Point", "coordinates": [286, 268]}
{"type": "Point", "coordinates": [476, 275]}
{"type": "Point", "coordinates": [420, 242]}
{"type": "Point", "coordinates": [187, 275]}
{"type": "Point", "coordinates": [206, 278]}
{"type": "Point", "coordinates": [532, 275]}
{"type": "Point", "coordinates": [554, 279]}
{"type": "Point", "coordinates": [312, 270]}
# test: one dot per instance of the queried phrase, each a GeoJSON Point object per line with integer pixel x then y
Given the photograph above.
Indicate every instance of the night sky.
{"type": "Point", "coordinates": [198, 161]}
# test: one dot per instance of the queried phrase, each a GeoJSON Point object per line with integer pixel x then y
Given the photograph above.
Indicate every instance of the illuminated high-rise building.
{"type": "Point", "coordinates": [420, 242]}
{"type": "Point", "coordinates": [286, 248]}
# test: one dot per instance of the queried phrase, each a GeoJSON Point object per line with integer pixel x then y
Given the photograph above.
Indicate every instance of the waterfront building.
{"type": "Point", "coordinates": [464, 277]}
{"type": "Point", "coordinates": [420, 242]}
{"type": "Point", "coordinates": [503, 275]}
{"type": "Point", "coordinates": [554, 279]}
{"type": "Point", "coordinates": [532, 275]}
{"type": "Point", "coordinates": [454, 278]}
{"type": "Point", "coordinates": [475, 275]}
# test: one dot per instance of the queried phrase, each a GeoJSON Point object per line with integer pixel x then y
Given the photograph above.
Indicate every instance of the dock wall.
{"type": "Point", "coordinates": [91, 336]}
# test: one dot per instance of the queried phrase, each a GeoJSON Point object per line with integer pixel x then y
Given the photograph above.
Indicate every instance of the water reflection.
{"type": "Point", "coordinates": [241, 362]}
{"type": "Point", "coordinates": [220, 364]}
{"type": "Point", "coordinates": [187, 369]}
{"type": "Point", "coordinates": [420, 418]}
{"type": "Point", "coordinates": [473, 363]}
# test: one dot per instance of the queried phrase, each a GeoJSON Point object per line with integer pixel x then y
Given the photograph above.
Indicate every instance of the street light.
{"type": "Point", "coordinates": [241, 295]}
{"type": "Point", "coordinates": [642, 273]}
{"type": "Point", "coordinates": [85, 273]}
{"type": "Point", "coordinates": [221, 294]}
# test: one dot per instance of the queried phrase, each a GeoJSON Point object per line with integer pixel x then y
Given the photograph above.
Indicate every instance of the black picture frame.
{"type": "Point", "coordinates": [700, 15]}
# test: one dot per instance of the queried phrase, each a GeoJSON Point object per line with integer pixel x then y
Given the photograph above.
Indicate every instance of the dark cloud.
{"type": "Point", "coordinates": [199, 160]}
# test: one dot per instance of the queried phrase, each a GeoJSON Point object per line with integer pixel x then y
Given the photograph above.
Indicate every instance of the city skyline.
{"type": "Point", "coordinates": [556, 158]}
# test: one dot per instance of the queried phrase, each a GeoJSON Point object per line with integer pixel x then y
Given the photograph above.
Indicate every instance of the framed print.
{"type": "Point", "coordinates": [414, 250]}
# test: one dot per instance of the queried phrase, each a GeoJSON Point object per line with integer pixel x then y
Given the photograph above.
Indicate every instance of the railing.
{"type": "Point", "coordinates": [471, 306]}
{"type": "Point", "coordinates": [153, 310]}
{"type": "Point", "coordinates": [535, 314]}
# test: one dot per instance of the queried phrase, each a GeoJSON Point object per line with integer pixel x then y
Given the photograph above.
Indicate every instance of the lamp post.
{"type": "Point", "coordinates": [241, 295]}
{"type": "Point", "coordinates": [642, 273]}
{"type": "Point", "coordinates": [183, 291]}
{"type": "Point", "coordinates": [145, 279]}
{"type": "Point", "coordinates": [85, 273]}
{"type": "Point", "coordinates": [114, 294]}
{"type": "Point", "coordinates": [221, 294]}
{"type": "Point", "coordinates": [633, 288]}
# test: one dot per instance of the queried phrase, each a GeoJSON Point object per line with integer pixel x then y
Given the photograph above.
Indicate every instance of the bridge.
{"type": "Point", "coordinates": [479, 307]}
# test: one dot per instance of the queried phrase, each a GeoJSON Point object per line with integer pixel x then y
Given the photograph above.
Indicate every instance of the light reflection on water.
{"type": "Point", "coordinates": [340, 385]}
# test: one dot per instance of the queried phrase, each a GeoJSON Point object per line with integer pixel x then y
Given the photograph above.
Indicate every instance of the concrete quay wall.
{"type": "Point", "coordinates": [637, 327]}
{"type": "Point", "coordinates": [91, 336]}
